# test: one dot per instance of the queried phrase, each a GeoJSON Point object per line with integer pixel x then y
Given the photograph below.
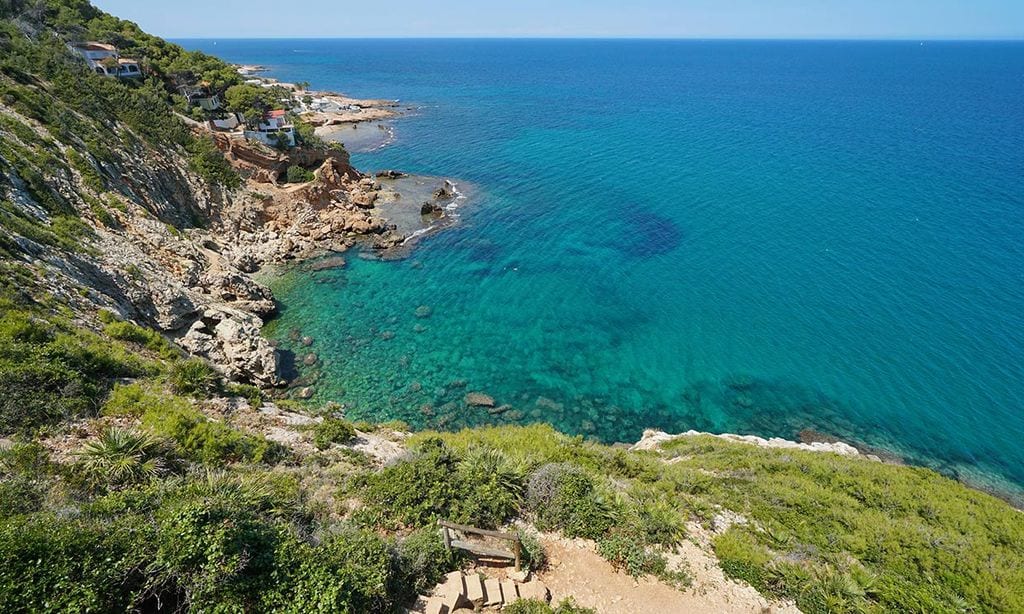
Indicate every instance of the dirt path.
{"type": "Point", "coordinates": [576, 570]}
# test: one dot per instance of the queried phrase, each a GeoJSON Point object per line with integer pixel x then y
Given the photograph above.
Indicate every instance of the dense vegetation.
{"type": "Point", "coordinates": [166, 507]}
{"type": "Point", "coordinates": [832, 533]}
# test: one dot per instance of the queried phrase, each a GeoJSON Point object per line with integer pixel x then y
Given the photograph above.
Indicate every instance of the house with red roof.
{"type": "Point", "coordinates": [273, 130]}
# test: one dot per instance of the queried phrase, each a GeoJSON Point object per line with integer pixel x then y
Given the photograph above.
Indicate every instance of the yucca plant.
{"type": "Point", "coordinates": [124, 456]}
{"type": "Point", "coordinates": [486, 461]}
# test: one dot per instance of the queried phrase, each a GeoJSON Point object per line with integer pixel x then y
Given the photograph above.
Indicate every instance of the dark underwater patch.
{"type": "Point", "coordinates": [646, 234]}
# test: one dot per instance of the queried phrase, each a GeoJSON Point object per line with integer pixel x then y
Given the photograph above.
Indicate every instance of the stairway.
{"type": "Point", "coordinates": [462, 592]}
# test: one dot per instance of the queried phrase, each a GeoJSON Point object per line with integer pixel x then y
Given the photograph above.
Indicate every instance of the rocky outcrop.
{"type": "Point", "coordinates": [652, 439]}
{"type": "Point", "coordinates": [265, 163]}
{"type": "Point", "coordinates": [231, 339]}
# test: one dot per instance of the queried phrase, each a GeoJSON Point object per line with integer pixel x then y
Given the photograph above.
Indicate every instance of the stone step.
{"type": "Point", "coordinates": [492, 587]}
{"type": "Point", "coordinates": [534, 590]}
{"type": "Point", "coordinates": [474, 589]}
{"type": "Point", "coordinates": [508, 591]}
{"type": "Point", "coordinates": [435, 606]}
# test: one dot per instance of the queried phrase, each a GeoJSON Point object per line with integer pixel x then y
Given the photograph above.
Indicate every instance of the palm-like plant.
{"type": "Point", "coordinates": [122, 456]}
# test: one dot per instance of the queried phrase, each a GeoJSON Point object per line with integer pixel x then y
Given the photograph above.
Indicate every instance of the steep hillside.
{"type": "Point", "coordinates": [109, 198]}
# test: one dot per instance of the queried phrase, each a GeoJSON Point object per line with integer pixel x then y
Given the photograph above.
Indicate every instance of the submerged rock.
{"type": "Point", "coordinates": [424, 311]}
{"type": "Point", "coordinates": [310, 359]}
{"type": "Point", "coordinates": [479, 399]}
{"type": "Point", "coordinates": [331, 262]}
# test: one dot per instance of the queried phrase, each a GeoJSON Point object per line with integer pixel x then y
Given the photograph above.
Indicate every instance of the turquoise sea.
{"type": "Point", "coordinates": [749, 237]}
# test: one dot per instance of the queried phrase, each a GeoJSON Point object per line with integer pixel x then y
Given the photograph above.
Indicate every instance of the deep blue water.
{"type": "Point", "coordinates": [754, 237]}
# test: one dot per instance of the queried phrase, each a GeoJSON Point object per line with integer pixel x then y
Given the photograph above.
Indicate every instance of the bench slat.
{"type": "Point", "coordinates": [482, 550]}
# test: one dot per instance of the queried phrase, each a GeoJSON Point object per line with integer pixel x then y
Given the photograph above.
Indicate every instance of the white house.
{"type": "Point", "coordinates": [274, 126]}
{"type": "Point", "coordinates": [103, 59]}
{"type": "Point", "coordinates": [127, 69]}
{"type": "Point", "coordinates": [209, 103]}
{"type": "Point", "coordinates": [201, 97]}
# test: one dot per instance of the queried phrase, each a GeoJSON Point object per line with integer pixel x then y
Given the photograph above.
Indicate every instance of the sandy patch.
{"type": "Point", "coordinates": [577, 570]}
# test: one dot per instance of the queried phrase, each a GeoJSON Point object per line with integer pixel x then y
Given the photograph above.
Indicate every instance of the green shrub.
{"type": "Point", "coordinates": [534, 557]}
{"type": "Point", "coordinates": [20, 495]}
{"type": "Point", "coordinates": [152, 340]}
{"type": "Point", "coordinates": [352, 570]}
{"type": "Point", "coordinates": [564, 497]}
{"type": "Point", "coordinates": [207, 441]}
{"type": "Point", "coordinates": [332, 430]}
{"type": "Point", "coordinates": [423, 560]}
{"type": "Point", "coordinates": [58, 564]}
{"type": "Point", "coordinates": [120, 457]}
{"type": "Point", "coordinates": [297, 174]}
{"type": "Point", "coordinates": [90, 176]}
{"type": "Point", "coordinates": [535, 606]}
{"type": "Point", "coordinates": [481, 489]}
{"type": "Point", "coordinates": [24, 468]}
{"type": "Point", "coordinates": [209, 163]}
{"type": "Point", "coordinates": [251, 393]}
{"type": "Point", "coordinates": [656, 521]}
{"type": "Point", "coordinates": [37, 392]}
{"type": "Point", "coordinates": [51, 372]}
{"type": "Point", "coordinates": [221, 554]}
{"type": "Point", "coordinates": [137, 399]}
{"type": "Point", "coordinates": [528, 606]}
{"type": "Point", "coordinates": [193, 376]}
{"type": "Point", "coordinates": [625, 550]}
{"type": "Point", "coordinates": [415, 491]}
{"type": "Point", "coordinates": [492, 488]}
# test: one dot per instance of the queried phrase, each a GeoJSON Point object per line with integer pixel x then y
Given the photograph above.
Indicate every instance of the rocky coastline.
{"type": "Point", "coordinates": [180, 256]}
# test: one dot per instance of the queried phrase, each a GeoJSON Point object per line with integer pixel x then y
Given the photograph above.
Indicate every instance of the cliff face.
{"type": "Point", "coordinates": [113, 203]}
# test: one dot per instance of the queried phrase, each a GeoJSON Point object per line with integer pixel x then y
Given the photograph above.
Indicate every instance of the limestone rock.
{"type": "Point", "coordinates": [231, 340]}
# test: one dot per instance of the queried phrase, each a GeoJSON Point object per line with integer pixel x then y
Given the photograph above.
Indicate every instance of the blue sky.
{"type": "Point", "coordinates": [577, 18]}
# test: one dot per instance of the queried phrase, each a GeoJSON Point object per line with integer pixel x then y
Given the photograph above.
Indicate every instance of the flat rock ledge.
{"type": "Point", "coordinates": [652, 439]}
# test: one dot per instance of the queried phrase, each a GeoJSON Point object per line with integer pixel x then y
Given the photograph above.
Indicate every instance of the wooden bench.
{"type": "Point", "coordinates": [479, 550]}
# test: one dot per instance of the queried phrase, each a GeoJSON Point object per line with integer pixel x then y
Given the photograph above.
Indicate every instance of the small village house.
{"type": "Point", "coordinates": [104, 59]}
{"type": "Point", "coordinates": [271, 128]}
{"type": "Point", "coordinates": [200, 96]}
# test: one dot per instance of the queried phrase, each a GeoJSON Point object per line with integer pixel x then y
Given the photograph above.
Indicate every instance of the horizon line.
{"type": "Point", "coordinates": [1008, 39]}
